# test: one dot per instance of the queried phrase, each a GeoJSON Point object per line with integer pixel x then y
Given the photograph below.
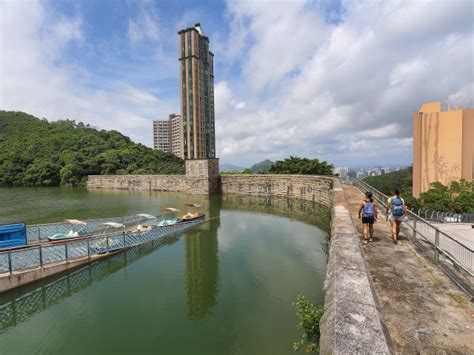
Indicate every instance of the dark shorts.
{"type": "Point", "coordinates": [368, 220]}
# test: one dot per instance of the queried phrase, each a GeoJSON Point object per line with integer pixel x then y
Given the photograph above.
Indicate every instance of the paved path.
{"type": "Point", "coordinates": [463, 232]}
{"type": "Point", "coordinates": [423, 310]}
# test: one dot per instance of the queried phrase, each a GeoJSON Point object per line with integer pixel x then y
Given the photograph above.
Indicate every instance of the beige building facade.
{"type": "Point", "coordinates": [196, 68]}
{"type": "Point", "coordinates": [443, 145]}
{"type": "Point", "coordinates": [167, 134]}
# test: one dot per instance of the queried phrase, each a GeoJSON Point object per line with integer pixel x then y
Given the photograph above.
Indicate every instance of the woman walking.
{"type": "Point", "coordinates": [368, 210]}
{"type": "Point", "coordinates": [396, 210]}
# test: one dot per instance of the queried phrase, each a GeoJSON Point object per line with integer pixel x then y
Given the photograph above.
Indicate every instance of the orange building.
{"type": "Point", "coordinates": [443, 145]}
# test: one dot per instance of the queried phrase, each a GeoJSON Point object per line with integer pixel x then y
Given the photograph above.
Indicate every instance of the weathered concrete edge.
{"type": "Point", "coordinates": [352, 321]}
{"type": "Point", "coordinates": [20, 278]}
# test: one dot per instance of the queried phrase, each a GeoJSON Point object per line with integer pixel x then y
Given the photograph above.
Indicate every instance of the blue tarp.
{"type": "Point", "coordinates": [12, 235]}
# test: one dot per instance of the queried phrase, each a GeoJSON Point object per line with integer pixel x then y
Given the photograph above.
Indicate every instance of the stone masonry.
{"type": "Point", "coordinates": [202, 178]}
{"type": "Point", "coordinates": [305, 187]}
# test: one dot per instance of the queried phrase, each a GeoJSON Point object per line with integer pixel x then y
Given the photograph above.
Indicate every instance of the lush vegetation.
{"type": "Point", "coordinates": [401, 179]}
{"type": "Point", "coordinates": [309, 317]}
{"type": "Point", "coordinates": [458, 197]}
{"type": "Point", "coordinates": [36, 152]}
{"type": "Point", "coordinates": [301, 166]}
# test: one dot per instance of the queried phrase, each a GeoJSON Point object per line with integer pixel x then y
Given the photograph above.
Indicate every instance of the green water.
{"type": "Point", "coordinates": [223, 288]}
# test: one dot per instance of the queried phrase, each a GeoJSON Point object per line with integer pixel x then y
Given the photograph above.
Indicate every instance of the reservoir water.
{"type": "Point", "coordinates": [225, 287]}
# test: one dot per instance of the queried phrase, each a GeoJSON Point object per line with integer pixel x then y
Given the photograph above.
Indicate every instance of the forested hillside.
{"type": "Point", "coordinates": [36, 152]}
{"type": "Point", "coordinates": [401, 179]}
{"type": "Point", "coordinates": [457, 197]}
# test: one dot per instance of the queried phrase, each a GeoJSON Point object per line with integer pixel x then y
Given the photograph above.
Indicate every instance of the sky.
{"type": "Point", "coordinates": [334, 80]}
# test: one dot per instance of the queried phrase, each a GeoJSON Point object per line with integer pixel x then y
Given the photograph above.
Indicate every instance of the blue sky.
{"type": "Point", "coordinates": [337, 80]}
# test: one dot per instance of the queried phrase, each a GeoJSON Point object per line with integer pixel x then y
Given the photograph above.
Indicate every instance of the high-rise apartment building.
{"type": "Point", "coordinates": [443, 146]}
{"type": "Point", "coordinates": [197, 94]}
{"type": "Point", "coordinates": [167, 134]}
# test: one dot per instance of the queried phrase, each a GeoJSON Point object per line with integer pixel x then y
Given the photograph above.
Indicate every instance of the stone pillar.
{"type": "Point", "coordinates": [205, 169]}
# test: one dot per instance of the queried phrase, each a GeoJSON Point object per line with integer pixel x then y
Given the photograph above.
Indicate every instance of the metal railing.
{"type": "Point", "coordinates": [452, 256]}
{"type": "Point", "coordinates": [19, 309]}
{"type": "Point", "coordinates": [450, 217]}
{"type": "Point", "coordinates": [40, 232]}
{"type": "Point", "coordinates": [48, 254]}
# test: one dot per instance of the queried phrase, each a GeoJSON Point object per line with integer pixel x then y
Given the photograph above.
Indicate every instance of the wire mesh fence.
{"type": "Point", "coordinates": [41, 232]}
{"type": "Point", "coordinates": [20, 309]}
{"type": "Point", "coordinates": [452, 256]}
{"type": "Point", "coordinates": [43, 255]}
{"type": "Point", "coordinates": [450, 217]}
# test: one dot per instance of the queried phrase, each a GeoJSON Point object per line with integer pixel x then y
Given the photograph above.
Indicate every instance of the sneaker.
{"type": "Point", "coordinates": [365, 241]}
{"type": "Point", "coordinates": [371, 239]}
{"type": "Point", "coordinates": [395, 241]}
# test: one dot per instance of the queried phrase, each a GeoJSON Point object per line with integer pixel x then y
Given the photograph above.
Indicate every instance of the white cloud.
{"type": "Point", "coordinates": [37, 79]}
{"type": "Point", "coordinates": [342, 91]}
{"type": "Point", "coordinates": [145, 26]}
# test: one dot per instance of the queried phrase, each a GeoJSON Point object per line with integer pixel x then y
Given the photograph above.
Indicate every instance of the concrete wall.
{"type": "Point", "coordinates": [305, 187]}
{"type": "Point", "coordinates": [352, 322]}
{"type": "Point", "coordinates": [443, 146]}
{"type": "Point", "coordinates": [172, 183]}
{"type": "Point", "coordinates": [309, 188]}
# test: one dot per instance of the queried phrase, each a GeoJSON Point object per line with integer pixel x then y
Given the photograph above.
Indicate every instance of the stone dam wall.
{"type": "Point", "coordinates": [306, 187]}
{"type": "Point", "coordinates": [171, 183]}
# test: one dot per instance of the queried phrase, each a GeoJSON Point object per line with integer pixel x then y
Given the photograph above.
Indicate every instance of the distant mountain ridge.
{"type": "Point", "coordinates": [264, 165]}
{"type": "Point", "coordinates": [231, 167]}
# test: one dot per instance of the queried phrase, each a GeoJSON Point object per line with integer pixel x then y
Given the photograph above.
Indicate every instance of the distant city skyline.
{"type": "Point", "coordinates": [347, 96]}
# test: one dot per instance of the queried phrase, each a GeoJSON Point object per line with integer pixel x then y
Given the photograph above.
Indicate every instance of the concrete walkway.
{"type": "Point", "coordinates": [423, 310]}
{"type": "Point", "coordinates": [463, 232]}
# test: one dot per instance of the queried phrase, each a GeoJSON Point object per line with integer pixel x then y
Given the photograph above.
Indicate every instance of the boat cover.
{"type": "Point", "coordinates": [146, 215]}
{"type": "Point", "coordinates": [12, 235]}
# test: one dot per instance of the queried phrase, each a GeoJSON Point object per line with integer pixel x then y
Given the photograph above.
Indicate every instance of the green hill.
{"type": "Point", "coordinates": [262, 166]}
{"type": "Point", "coordinates": [401, 179]}
{"type": "Point", "coordinates": [36, 152]}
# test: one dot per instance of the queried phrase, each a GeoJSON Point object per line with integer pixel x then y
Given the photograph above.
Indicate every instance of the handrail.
{"type": "Point", "coordinates": [418, 217]}
{"type": "Point", "coordinates": [457, 258]}
{"type": "Point", "coordinates": [41, 255]}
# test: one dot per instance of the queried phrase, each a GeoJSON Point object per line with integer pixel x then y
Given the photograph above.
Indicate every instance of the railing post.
{"type": "Point", "coordinates": [107, 242]}
{"type": "Point", "coordinates": [414, 228]}
{"type": "Point", "coordinates": [41, 255]}
{"type": "Point", "coordinates": [65, 251]}
{"type": "Point", "coordinates": [88, 248]}
{"type": "Point", "coordinates": [437, 246]}
{"type": "Point", "coordinates": [124, 243]}
{"type": "Point", "coordinates": [10, 261]}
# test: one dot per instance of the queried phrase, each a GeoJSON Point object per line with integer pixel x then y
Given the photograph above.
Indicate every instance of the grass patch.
{"type": "Point", "coordinates": [458, 298]}
{"type": "Point", "coordinates": [438, 281]}
{"type": "Point", "coordinates": [430, 270]}
{"type": "Point", "coordinates": [421, 261]}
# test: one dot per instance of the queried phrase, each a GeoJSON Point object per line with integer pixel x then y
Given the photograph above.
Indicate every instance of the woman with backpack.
{"type": "Point", "coordinates": [396, 210]}
{"type": "Point", "coordinates": [368, 210]}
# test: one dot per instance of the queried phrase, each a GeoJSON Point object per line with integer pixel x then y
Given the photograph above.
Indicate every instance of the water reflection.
{"type": "Point", "coordinates": [19, 305]}
{"type": "Point", "coordinates": [202, 265]}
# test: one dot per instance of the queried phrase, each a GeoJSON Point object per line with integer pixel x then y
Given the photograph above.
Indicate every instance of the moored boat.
{"type": "Point", "coordinates": [192, 216]}
{"type": "Point", "coordinates": [78, 231]}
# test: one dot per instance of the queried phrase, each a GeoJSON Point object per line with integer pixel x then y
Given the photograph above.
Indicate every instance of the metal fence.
{"type": "Point", "coordinates": [450, 217]}
{"type": "Point", "coordinates": [44, 255]}
{"type": "Point", "coordinates": [40, 232]}
{"type": "Point", "coordinates": [20, 309]}
{"type": "Point", "coordinates": [452, 256]}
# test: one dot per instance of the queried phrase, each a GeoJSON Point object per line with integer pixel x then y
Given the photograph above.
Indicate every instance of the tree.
{"type": "Point", "coordinates": [301, 166]}
{"type": "Point", "coordinates": [36, 152]}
